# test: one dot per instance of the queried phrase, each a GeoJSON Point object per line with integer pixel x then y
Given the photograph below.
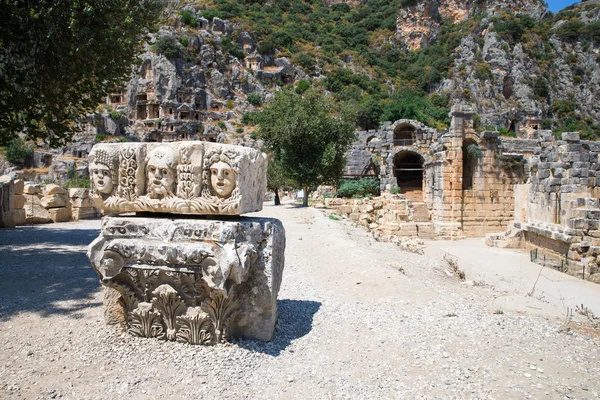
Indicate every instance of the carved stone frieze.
{"type": "Point", "coordinates": [180, 178]}
{"type": "Point", "coordinates": [194, 281]}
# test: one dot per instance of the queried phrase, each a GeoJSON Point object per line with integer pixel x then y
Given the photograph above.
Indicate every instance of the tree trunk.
{"type": "Point", "coordinates": [305, 199]}
{"type": "Point", "coordinates": [276, 200]}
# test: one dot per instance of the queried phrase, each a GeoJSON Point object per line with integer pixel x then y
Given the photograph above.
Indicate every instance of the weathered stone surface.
{"type": "Point", "coordinates": [19, 216]}
{"type": "Point", "coordinates": [182, 178]}
{"type": "Point", "coordinates": [36, 214]}
{"type": "Point", "coordinates": [52, 189]}
{"type": "Point", "coordinates": [7, 193]}
{"type": "Point", "coordinates": [79, 193]}
{"type": "Point", "coordinates": [84, 213]}
{"type": "Point", "coordinates": [19, 201]}
{"type": "Point", "coordinates": [32, 189]}
{"type": "Point", "coordinates": [19, 186]}
{"type": "Point", "coordinates": [195, 281]}
{"type": "Point", "coordinates": [54, 200]}
{"type": "Point", "coordinates": [62, 214]}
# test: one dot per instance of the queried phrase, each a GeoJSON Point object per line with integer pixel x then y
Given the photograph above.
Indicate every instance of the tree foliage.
{"type": "Point", "coordinates": [58, 59]}
{"type": "Point", "coordinates": [306, 142]}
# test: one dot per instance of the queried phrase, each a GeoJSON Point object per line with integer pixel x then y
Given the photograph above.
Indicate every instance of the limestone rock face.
{"type": "Point", "coordinates": [182, 178]}
{"type": "Point", "coordinates": [194, 281]}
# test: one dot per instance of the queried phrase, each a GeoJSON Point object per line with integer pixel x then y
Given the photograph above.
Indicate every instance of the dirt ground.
{"type": "Point", "coordinates": [358, 319]}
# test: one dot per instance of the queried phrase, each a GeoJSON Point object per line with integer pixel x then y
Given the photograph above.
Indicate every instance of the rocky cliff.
{"type": "Point", "coordinates": [522, 67]}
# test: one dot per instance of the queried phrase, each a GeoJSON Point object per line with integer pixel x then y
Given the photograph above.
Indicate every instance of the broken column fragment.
{"type": "Point", "coordinates": [194, 280]}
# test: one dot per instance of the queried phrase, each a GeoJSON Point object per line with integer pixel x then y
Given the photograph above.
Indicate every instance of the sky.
{"type": "Point", "coordinates": [557, 5]}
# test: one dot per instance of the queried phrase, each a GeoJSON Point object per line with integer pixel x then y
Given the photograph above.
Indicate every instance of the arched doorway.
{"type": "Point", "coordinates": [471, 154]}
{"type": "Point", "coordinates": [408, 170]}
{"type": "Point", "coordinates": [404, 135]}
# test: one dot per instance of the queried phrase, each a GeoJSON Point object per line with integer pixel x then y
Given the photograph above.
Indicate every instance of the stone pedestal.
{"type": "Point", "coordinates": [196, 281]}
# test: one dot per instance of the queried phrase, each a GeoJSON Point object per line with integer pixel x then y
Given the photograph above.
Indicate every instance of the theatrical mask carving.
{"type": "Point", "coordinates": [102, 169]}
{"type": "Point", "coordinates": [222, 178]}
{"type": "Point", "coordinates": [161, 172]}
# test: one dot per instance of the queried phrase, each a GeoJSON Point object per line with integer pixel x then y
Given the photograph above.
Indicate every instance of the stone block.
{"type": "Point", "coordinates": [179, 177]}
{"type": "Point", "coordinates": [54, 200]}
{"type": "Point", "coordinates": [32, 189]}
{"type": "Point", "coordinates": [79, 193]}
{"type": "Point", "coordinates": [53, 189]}
{"type": "Point", "coordinates": [194, 281]}
{"type": "Point", "coordinates": [62, 214]}
{"type": "Point", "coordinates": [7, 195]}
{"type": "Point", "coordinates": [84, 213]}
{"type": "Point", "coordinates": [36, 214]}
{"type": "Point", "coordinates": [19, 216]}
{"type": "Point", "coordinates": [19, 186]}
{"type": "Point", "coordinates": [19, 201]}
{"type": "Point", "coordinates": [79, 202]}
{"type": "Point", "coordinates": [570, 136]}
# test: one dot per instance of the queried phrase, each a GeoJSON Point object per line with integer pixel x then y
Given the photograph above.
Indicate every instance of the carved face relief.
{"type": "Point", "coordinates": [161, 173]}
{"type": "Point", "coordinates": [101, 178]}
{"type": "Point", "coordinates": [222, 178]}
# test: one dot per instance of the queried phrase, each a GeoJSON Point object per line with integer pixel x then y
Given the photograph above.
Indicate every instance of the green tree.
{"type": "Point", "coordinates": [307, 142]}
{"type": "Point", "coordinates": [58, 59]}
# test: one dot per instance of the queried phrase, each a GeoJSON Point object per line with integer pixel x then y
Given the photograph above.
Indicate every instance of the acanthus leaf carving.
{"type": "Point", "coordinates": [145, 322]}
{"type": "Point", "coordinates": [220, 308]}
{"type": "Point", "coordinates": [195, 327]}
{"type": "Point", "coordinates": [170, 306]}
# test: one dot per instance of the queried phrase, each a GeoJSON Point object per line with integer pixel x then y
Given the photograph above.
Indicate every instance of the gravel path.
{"type": "Point", "coordinates": [357, 319]}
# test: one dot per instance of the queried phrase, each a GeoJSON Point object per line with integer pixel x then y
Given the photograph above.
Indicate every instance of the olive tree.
{"type": "Point", "coordinates": [306, 141]}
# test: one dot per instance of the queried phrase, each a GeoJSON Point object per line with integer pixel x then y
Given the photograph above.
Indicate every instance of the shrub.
{"type": "Point", "coordinates": [360, 188]}
{"type": "Point", "coordinates": [229, 104]}
{"type": "Point", "coordinates": [305, 60]}
{"type": "Point", "coordinates": [302, 86]}
{"type": "Point", "coordinates": [483, 71]}
{"type": "Point", "coordinates": [395, 190]}
{"type": "Point", "coordinates": [167, 46]}
{"type": "Point", "coordinates": [541, 88]}
{"type": "Point", "coordinates": [116, 115]}
{"type": "Point", "coordinates": [239, 130]}
{"type": "Point", "coordinates": [188, 18]}
{"type": "Point", "coordinates": [474, 152]}
{"type": "Point", "coordinates": [221, 125]}
{"type": "Point", "coordinates": [254, 99]}
{"type": "Point", "coordinates": [18, 153]}
{"type": "Point", "coordinates": [100, 137]}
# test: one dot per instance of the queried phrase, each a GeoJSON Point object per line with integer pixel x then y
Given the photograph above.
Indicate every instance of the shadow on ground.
{"type": "Point", "coordinates": [294, 320]}
{"type": "Point", "coordinates": [45, 270]}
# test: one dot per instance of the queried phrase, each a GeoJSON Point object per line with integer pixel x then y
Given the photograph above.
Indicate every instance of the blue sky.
{"type": "Point", "coordinates": [557, 5]}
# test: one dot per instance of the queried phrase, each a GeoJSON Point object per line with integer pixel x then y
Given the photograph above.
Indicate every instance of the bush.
{"type": "Point", "coordinates": [483, 72]}
{"type": "Point", "coordinates": [302, 86]}
{"type": "Point", "coordinates": [229, 104]}
{"type": "Point", "coordinates": [395, 190]}
{"type": "Point", "coordinates": [254, 99]}
{"type": "Point", "coordinates": [188, 18]}
{"type": "Point", "coordinates": [167, 46]}
{"type": "Point", "coordinates": [221, 125]}
{"type": "Point", "coordinates": [116, 115]}
{"type": "Point", "coordinates": [541, 88]}
{"type": "Point", "coordinates": [249, 118]}
{"type": "Point", "coordinates": [360, 188]}
{"type": "Point", "coordinates": [100, 137]}
{"type": "Point", "coordinates": [18, 153]}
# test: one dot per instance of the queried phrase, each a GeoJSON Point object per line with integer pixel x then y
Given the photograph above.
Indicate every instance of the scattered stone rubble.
{"type": "Point", "coordinates": [194, 280]}
{"type": "Point", "coordinates": [28, 203]}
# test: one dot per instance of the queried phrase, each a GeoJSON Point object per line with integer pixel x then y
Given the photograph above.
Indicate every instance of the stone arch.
{"type": "Point", "coordinates": [370, 138]}
{"type": "Point", "coordinates": [408, 170]}
{"type": "Point", "coordinates": [405, 134]}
